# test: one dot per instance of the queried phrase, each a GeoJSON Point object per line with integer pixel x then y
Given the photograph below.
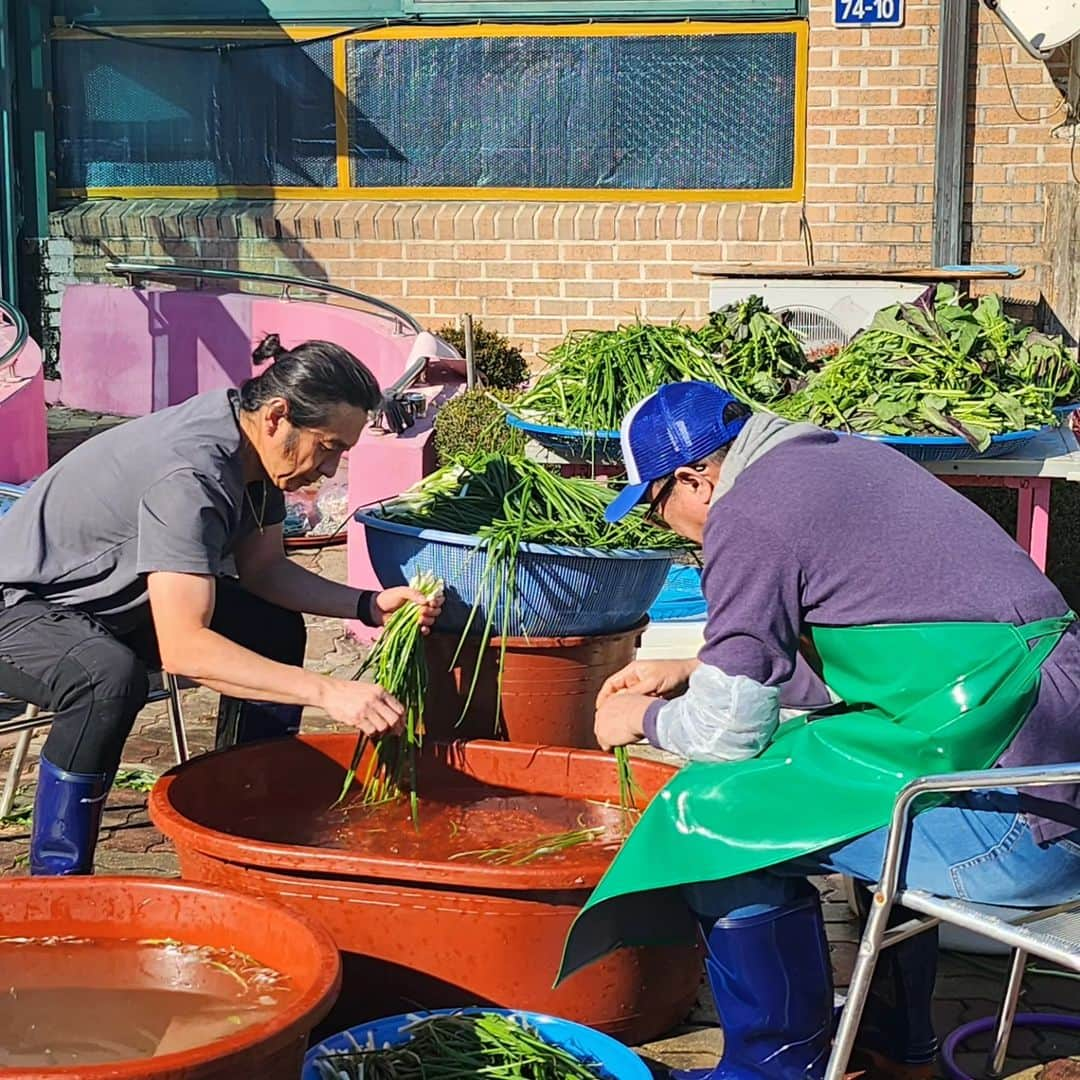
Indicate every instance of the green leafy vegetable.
{"type": "Point", "coordinates": [940, 366]}
{"type": "Point", "coordinates": [594, 378]}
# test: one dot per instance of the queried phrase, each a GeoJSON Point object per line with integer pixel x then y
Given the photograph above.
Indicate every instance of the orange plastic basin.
{"type": "Point", "coordinates": [114, 908]}
{"type": "Point", "coordinates": [548, 689]}
{"type": "Point", "coordinates": [430, 932]}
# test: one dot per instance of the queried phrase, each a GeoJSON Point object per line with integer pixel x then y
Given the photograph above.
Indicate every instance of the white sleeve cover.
{"type": "Point", "coordinates": [719, 718]}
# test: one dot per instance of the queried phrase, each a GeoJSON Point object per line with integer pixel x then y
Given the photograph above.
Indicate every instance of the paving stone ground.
{"type": "Point", "coordinates": [968, 985]}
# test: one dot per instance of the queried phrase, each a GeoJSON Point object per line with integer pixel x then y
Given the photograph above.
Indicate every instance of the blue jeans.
{"type": "Point", "coordinates": [977, 847]}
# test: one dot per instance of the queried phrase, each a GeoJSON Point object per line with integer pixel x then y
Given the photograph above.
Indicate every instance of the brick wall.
{"type": "Point", "coordinates": [535, 270]}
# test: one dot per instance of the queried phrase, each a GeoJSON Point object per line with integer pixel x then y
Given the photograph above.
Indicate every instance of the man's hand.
{"type": "Point", "coordinates": [362, 705]}
{"type": "Point", "coordinates": [389, 600]}
{"type": "Point", "coordinates": [656, 678]}
{"type": "Point", "coordinates": [621, 720]}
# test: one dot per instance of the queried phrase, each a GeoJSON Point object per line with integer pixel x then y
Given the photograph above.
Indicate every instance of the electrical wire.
{"type": "Point", "coordinates": [806, 234]}
{"type": "Point", "coordinates": [1012, 96]}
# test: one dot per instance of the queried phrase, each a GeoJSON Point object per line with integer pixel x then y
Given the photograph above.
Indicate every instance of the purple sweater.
{"type": "Point", "coordinates": [827, 530]}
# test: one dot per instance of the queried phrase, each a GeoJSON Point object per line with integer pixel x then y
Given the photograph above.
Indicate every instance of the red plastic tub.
{"type": "Point", "coordinates": [113, 908]}
{"type": "Point", "coordinates": [549, 686]}
{"type": "Point", "coordinates": [434, 933]}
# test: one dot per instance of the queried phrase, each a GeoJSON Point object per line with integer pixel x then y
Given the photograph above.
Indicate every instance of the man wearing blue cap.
{"type": "Point", "coordinates": [915, 612]}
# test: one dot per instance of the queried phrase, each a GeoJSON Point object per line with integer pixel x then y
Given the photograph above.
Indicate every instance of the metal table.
{"type": "Point", "coordinates": [1054, 455]}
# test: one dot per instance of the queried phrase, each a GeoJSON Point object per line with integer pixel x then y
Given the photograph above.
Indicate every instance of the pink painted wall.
{"type": "Point", "coordinates": [370, 339]}
{"type": "Point", "coordinates": [133, 351]}
{"type": "Point", "coordinates": [24, 452]}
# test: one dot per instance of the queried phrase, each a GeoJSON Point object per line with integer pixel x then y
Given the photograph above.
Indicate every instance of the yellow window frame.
{"type": "Point", "coordinates": [345, 190]}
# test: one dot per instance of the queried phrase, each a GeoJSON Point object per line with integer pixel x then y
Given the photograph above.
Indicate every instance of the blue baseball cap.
{"type": "Point", "coordinates": [678, 425]}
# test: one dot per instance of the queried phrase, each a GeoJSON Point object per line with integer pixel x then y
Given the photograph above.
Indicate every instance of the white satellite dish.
{"type": "Point", "coordinates": [1041, 26]}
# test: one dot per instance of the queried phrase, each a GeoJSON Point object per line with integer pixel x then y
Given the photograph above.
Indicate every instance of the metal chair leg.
{"type": "Point", "coordinates": [18, 760]}
{"type": "Point", "coordinates": [995, 1060]}
{"type": "Point", "coordinates": [176, 719]}
{"type": "Point", "coordinates": [859, 990]}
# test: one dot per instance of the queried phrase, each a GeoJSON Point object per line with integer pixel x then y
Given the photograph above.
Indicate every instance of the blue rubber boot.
{"type": "Point", "coordinates": [772, 984]}
{"type": "Point", "coordinates": [67, 817]}
{"type": "Point", "coordinates": [896, 1034]}
{"type": "Point", "coordinates": [241, 722]}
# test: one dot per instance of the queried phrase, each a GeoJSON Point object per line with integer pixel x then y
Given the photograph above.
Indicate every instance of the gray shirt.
{"type": "Point", "coordinates": [164, 492]}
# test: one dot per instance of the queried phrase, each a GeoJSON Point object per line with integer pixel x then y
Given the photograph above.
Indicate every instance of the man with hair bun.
{"type": "Point", "coordinates": [159, 543]}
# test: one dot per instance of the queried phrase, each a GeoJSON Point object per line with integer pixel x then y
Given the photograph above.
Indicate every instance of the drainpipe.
{"type": "Point", "coordinates": [8, 219]}
{"type": "Point", "coordinates": [950, 145]}
{"type": "Point", "coordinates": [33, 148]}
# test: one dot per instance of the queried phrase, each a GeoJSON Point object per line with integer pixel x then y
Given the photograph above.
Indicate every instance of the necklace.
{"type": "Point", "coordinates": [262, 513]}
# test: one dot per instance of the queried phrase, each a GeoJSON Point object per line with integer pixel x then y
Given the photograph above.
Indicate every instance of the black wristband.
{"type": "Point", "coordinates": [363, 607]}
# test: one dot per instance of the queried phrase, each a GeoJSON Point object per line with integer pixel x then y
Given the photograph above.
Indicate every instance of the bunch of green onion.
{"type": "Point", "coordinates": [505, 502]}
{"type": "Point", "coordinates": [490, 495]}
{"type": "Point", "coordinates": [397, 663]}
{"type": "Point", "coordinates": [628, 789]}
{"type": "Point", "coordinates": [595, 377]}
{"type": "Point", "coordinates": [461, 1046]}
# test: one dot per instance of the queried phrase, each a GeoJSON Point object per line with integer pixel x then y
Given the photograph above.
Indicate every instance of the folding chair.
{"type": "Point", "coordinates": [31, 718]}
{"type": "Point", "coordinates": [1051, 933]}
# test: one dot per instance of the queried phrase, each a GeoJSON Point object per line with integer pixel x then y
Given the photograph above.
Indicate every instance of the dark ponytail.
{"type": "Point", "coordinates": [312, 378]}
{"type": "Point", "coordinates": [270, 348]}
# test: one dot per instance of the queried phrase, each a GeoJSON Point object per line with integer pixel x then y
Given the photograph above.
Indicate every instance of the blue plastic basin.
{"type": "Point", "coordinates": [587, 1045]}
{"type": "Point", "coordinates": [560, 591]}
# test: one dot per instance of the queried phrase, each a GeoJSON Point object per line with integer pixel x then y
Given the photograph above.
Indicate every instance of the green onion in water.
{"type": "Point", "coordinates": [397, 664]}
{"type": "Point", "coordinates": [628, 788]}
{"type": "Point", "coordinates": [524, 851]}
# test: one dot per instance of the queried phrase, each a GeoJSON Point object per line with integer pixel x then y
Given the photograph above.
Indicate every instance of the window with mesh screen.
{"type": "Point", "coordinates": [130, 115]}
{"type": "Point", "coordinates": [651, 112]}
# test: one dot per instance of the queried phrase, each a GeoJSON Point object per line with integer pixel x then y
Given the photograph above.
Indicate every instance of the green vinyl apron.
{"type": "Point", "coordinates": [917, 699]}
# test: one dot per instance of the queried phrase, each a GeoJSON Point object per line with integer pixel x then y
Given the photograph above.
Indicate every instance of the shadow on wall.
{"type": "Point", "coordinates": [1059, 312]}
{"type": "Point", "coordinates": [187, 112]}
{"type": "Point", "coordinates": [1062, 566]}
{"type": "Point", "coordinates": [134, 111]}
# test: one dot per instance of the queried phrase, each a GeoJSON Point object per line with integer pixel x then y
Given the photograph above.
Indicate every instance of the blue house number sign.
{"type": "Point", "coordinates": [868, 12]}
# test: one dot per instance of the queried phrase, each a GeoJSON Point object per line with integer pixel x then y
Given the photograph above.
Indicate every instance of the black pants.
{"type": "Point", "coordinates": [95, 681]}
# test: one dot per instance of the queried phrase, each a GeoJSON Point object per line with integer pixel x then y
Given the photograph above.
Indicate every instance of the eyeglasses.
{"type": "Point", "coordinates": [654, 514]}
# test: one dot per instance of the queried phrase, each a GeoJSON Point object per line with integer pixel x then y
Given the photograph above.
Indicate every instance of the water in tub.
{"type": "Point", "coordinates": [78, 1001]}
{"type": "Point", "coordinates": [466, 821]}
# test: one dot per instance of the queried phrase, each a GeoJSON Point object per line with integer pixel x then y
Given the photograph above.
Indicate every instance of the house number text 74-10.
{"type": "Point", "coordinates": [868, 12]}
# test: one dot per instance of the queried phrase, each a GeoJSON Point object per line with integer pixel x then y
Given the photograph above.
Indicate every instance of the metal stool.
{"type": "Point", "coordinates": [32, 718]}
{"type": "Point", "coordinates": [1050, 934]}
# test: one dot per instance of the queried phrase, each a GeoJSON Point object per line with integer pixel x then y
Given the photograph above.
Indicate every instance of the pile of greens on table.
{"type": "Point", "coordinates": [940, 367]}
{"type": "Point", "coordinates": [594, 377]}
